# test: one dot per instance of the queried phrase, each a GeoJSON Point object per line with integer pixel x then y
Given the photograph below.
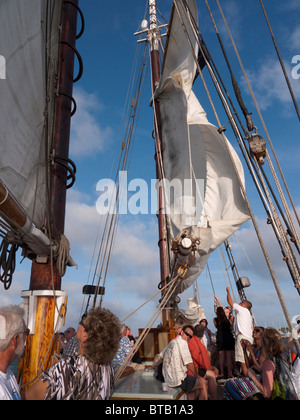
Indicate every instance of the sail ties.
{"type": "Point", "coordinates": [62, 256]}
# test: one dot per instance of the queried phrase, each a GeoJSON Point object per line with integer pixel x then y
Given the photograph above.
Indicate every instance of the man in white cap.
{"type": "Point", "coordinates": [13, 333]}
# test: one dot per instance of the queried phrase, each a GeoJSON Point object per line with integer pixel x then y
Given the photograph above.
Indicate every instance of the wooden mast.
{"type": "Point", "coordinates": [153, 38]}
{"type": "Point", "coordinates": [45, 281]}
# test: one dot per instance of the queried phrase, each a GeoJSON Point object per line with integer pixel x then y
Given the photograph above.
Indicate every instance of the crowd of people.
{"type": "Point", "coordinates": [89, 358]}
{"type": "Point", "coordinates": [252, 359]}
{"type": "Point", "coordinates": [84, 372]}
{"type": "Point", "coordinates": [192, 362]}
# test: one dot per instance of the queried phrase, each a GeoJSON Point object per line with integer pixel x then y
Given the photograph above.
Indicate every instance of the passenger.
{"type": "Point", "coordinates": [207, 337]}
{"type": "Point", "coordinates": [254, 354]}
{"type": "Point", "coordinates": [295, 370]}
{"type": "Point", "coordinates": [13, 334]}
{"type": "Point", "coordinates": [130, 337]}
{"type": "Point", "coordinates": [123, 350]}
{"type": "Point", "coordinates": [276, 382]}
{"type": "Point", "coordinates": [202, 363]}
{"type": "Point", "coordinates": [136, 358]}
{"type": "Point", "coordinates": [178, 328]}
{"type": "Point", "coordinates": [179, 369]}
{"type": "Point", "coordinates": [89, 375]}
{"type": "Point", "coordinates": [225, 341]}
{"type": "Point", "coordinates": [72, 346]}
{"type": "Point", "coordinates": [229, 315]}
{"type": "Point", "coordinates": [62, 342]}
{"type": "Point", "coordinates": [243, 328]}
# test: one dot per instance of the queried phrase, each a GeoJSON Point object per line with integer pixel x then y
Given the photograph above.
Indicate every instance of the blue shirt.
{"type": "Point", "coordinates": [124, 349]}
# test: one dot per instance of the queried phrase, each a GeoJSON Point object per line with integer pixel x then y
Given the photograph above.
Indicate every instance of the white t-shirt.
{"type": "Point", "coordinates": [9, 389]}
{"type": "Point", "coordinates": [243, 321]}
{"type": "Point", "coordinates": [295, 375]}
{"type": "Point", "coordinates": [176, 357]}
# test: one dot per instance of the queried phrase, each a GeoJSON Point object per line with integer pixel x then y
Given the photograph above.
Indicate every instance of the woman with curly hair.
{"type": "Point", "coordinates": [89, 375]}
{"type": "Point", "coordinates": [276, 380]}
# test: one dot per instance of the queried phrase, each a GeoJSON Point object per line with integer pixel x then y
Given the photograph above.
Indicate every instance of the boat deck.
{"type": "Point", "coordinates": [144, 386]}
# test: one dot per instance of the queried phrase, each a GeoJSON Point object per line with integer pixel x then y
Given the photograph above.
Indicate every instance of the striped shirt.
{"type": "Point", "coordinates": [76, 378]}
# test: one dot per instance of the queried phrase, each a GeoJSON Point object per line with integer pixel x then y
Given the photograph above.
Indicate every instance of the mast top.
{"type": "Point", "coordinates": [152, 31]}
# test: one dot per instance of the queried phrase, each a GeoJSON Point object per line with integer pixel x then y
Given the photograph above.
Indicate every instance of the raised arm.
{"type": "Point", "coordinates": [229, 299]}
{"type": "Point", "coordinates": [218, 302]}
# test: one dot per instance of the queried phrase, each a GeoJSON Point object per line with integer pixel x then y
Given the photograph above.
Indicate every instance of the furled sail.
{"type": "Point", "coordinates": [202, 190]}
{"type": "Point", "coordinates": [30, 34]}
{"type": "Point", "coordinates": [194, 314]}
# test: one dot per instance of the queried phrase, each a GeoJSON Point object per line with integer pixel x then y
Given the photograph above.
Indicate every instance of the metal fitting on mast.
{"type": "Point", "coordinates": [153, 32]}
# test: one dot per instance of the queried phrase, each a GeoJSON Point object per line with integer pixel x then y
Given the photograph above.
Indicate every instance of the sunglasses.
{"type": "Point", "coordinates": [257, 330]}
{"type": "Point", "coordinates": [188, 335]}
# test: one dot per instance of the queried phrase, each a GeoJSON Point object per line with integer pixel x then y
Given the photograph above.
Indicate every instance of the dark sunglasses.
{"type": "Point", "coordinates": [81, 323]}
{"type": "Point", "coordinates": [187, 334]}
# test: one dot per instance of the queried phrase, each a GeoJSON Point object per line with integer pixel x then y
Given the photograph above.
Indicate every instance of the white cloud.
{"type": "Point", "coordinates": [269, 84]}
{"type": "Point", "coordinates": [134, 268]}
{"type": "Point", "coordinates": [82, 221]}
{"type": "Point", "coordinates": [20, 282]}
{"type": "Point", "coordinates": [87, 136]}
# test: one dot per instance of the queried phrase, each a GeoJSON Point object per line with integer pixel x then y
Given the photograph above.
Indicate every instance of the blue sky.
{"type": "Point", "coordinates": [108, 50]}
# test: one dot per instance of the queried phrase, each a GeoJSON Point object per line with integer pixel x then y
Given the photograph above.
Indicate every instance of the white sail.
{"type": "Point", "coordinates": [195, 313]}
{"type": "Point", "coordinates": [30, 36]}
{"type": "Point", "coordinates": [210, 206]}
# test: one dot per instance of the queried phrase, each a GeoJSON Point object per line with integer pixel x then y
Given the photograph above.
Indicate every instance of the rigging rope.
{"type": "Point", "coordinates": [276, 223]}
{"type": "Point", "coordinates": [281, 61]}
{"type": "Point", "coordinates": [236, 131]}
{"type": "Point", "coordinates": [259, 112]}
{"type": "Point", "coordinates": [113, 215]}
{"type": "Point", "coordinates": [221, 256]}
{"type": "Point", "coordinates": [171, 289]}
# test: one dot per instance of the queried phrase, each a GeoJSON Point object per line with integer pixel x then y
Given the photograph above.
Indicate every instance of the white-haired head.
{"type": "Point", "coordinates": [11, 323]}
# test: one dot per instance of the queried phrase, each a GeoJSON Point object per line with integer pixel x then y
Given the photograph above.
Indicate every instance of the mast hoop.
{"type": "Point", "coordinates": [80, 33]}
{"type": "Point", "coordinates": [73, 112]}
{"type": "Point", "coordinates": [70, 166]}
{"type": "Point", "coordinates": [79, 58]}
